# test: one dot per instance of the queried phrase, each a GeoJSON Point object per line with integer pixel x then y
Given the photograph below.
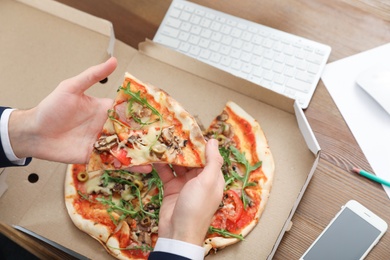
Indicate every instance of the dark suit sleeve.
{"type": "Point", "coordinates": [165, 256]}
{"type": "Point", "coordinates": [4, 162]}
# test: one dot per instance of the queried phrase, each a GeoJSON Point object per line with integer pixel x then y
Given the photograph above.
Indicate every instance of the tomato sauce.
{"type": "Point", "coordinates": [87, 207]}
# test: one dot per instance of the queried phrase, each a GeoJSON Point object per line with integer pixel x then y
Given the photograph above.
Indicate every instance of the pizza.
{"type": "Point", "coordinates": [146, 125]}
{"type": "Point", "coordinates": [248, 171]}
{"type": "Point", "coordinates": [120, 209]}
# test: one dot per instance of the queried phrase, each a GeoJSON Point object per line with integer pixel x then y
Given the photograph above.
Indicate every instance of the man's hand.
{"type": "Point", "coordinates": [191, 198]}
{"type": "Point", "coordinates": [64, 126]}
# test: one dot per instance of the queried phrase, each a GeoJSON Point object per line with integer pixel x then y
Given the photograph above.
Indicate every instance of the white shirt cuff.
{"type": "Point", "coordinates": [181, 248]}
{"type": "Point", "coordinates": [5, 138]}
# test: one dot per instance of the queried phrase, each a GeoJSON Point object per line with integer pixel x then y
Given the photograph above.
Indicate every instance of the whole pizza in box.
{"type": "Point", "coordinates": [146, 125]}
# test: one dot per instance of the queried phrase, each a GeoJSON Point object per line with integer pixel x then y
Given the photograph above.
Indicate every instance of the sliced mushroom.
{"type": "Point", "coordinates": [140, 111]}
{"type": "Point", "coordinates": [136, 141]}
{"type": "Point", "coordinates": [167, 135]}
{"type": "Point", "coordinates": [227, 130]}
{"type": "Point", "coordinates": [223, 116]}
{"type": "Point", "coordinates": [105, 143]}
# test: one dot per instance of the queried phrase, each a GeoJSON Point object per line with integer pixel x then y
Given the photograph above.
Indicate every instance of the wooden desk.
{"type": "Point", "coordinates": [349, 27]}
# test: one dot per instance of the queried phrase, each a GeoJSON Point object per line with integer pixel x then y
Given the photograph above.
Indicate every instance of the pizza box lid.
{"type": "Point", "coordinates": [48, 42]}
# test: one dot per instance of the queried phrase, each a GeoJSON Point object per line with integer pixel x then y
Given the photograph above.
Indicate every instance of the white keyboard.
{"type": "Point", "coordinates": [285, 63]}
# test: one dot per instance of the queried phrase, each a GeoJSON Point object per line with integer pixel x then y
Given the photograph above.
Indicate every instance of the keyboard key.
{"type": "Point", "coordinates": [171, 42]}
{"type": "Point", "coordinates": [185, 16]}
{"type": "Point", "coordinates": [306, 77]}
{"type": "Point", "coordinates": [215, 57]}
{"type": "Point", "coordinates": [226, 61]}
{"type": "Point", "coordinates": [169, 31]}
{"type": "Point", "coordinates": [298, 85]}
{"type": "Point", "coordinates": [183, 36]}
{"type": "Point", "coordinates": [194, 50]}
{"type": "Point", "coordinates": [215, 26]}
{"type": "Point", "coordinates": [185, 26]}
{"type": "Point", "coordinates": [214, 46]}
{"type": "Point", "coordinates": [205, 54]}
{"type": "Point", "coordinates": [205, 22]}
{"type": "Point", "coordinates": [206, 33]}
{"type": "Point", "coordinates": [175, 13]}
{"type": "Point", "coordinates": [184, 47]}
{"type": "Point", "coordinates": [173, 22]}
{"type": "Point", "coordinates": [204, 43]}
{"type": "Point", "coordinates": [236, 33]}
{"type": "Point", "coordinates": [196, 29]}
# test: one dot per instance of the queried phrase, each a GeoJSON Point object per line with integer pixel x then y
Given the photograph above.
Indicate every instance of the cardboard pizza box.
{"type": "Point", "coordinates": [43, 42]}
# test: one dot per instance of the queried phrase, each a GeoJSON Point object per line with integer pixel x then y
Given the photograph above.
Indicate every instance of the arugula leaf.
{"type": "Point", "coordinates": [225, 153]}
{"type": "Point", "coordinates": [107, 178]}
{"type": "Point", "coordinates": [224, 233]}
{"type": "Point", "coordinates": [85, 196]}
{"type": "Point", "coordinates": [143, 101]}
{"type": "Point", "coordinates": [240, 158]}
{"type": "Point", "coordinates": [135, 117]}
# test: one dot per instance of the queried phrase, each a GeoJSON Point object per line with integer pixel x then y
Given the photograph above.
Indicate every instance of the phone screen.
{"type": "Point", "coordinates": [348, 237]}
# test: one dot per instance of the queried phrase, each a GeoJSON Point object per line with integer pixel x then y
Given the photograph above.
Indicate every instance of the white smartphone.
{"type": "Point", "coordinates": [351, 234]}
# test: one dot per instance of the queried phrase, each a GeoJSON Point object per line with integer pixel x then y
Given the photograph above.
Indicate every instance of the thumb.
{"type": "Point", "coordinates": [90, 76]}
{"type": "Point", "coordinates": [211, 174]}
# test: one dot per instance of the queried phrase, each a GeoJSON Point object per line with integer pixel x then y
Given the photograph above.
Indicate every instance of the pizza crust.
{"type": "Point", "coordinates": [96, 230]}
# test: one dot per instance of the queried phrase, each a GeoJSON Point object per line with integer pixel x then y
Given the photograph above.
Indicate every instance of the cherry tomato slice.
{"type": "Point", "coordinates": [233, 206]}
{"type": "Point", "coordinates": [121, 155]}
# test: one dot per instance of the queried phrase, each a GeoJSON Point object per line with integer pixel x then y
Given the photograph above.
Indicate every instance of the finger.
{"type": "Point", "coordinates": [164, 171]}
{"type": "Point", "coordinates": [140, 169]}
{"type": "Point", "coordinates": [212, 171]}
{"type": "Point", "coordinates": [90, 76]}
{"type": "Point", "coordinates": [180, 170]}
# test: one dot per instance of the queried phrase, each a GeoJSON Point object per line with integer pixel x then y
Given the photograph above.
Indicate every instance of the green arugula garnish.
{"type": "Point", "coordinates": [224, 233]}
{"type": "Point", "coordinates": [155, 180]}
{"type": "Point", "coordinates": [240, 158]}
{"type": "Point", "coordinates": [142, 101]}
{"type": "Point", "coordinates": [123, 206]}
{"type": "Point", "coordinates": [85, 196]}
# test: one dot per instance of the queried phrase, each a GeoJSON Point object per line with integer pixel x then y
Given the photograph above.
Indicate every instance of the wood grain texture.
{"type": "Point", "coordinates": [349, 27]}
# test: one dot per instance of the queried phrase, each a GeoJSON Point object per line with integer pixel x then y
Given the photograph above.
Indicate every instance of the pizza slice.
{"type": "Point", "coordinates": [248, 170]}
{"type": "Point", "coordinates": [146, 125]}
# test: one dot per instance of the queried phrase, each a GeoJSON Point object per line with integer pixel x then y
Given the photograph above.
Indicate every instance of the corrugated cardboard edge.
{"type": "Point", "coordinates": [215, 75]}
{"type": "Point", "coordinates": [78, 17]}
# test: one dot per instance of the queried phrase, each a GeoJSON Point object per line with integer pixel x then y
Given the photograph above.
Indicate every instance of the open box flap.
{"type": "Point", "coordinates": [73, 15]}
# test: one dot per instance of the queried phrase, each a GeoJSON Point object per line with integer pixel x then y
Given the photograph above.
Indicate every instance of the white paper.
{"type": "Point", "coordinates": [367, 120]}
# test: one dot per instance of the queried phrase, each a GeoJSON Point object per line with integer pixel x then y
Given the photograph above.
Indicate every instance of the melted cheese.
{"type": "Point", "coordinates": [93, 186]}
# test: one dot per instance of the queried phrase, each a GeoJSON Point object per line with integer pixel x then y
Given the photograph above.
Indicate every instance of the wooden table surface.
{"type": "Point", "coordinates": [349, 27]}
